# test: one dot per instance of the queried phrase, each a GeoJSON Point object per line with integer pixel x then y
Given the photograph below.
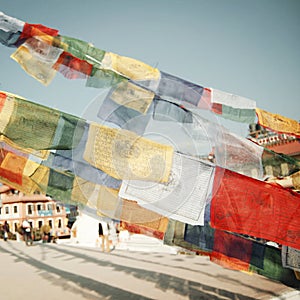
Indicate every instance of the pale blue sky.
{"type": "Point", "coordinates": [249, 48]}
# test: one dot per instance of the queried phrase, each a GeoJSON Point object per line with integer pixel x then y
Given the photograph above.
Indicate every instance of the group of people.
{"type": "Point", "coordinates": [25, 229]}
{"type": "Point", "coordinates": [109, 234]}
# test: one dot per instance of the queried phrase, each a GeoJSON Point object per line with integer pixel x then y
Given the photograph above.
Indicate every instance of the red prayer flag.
{"type": "Point", "coordinates": [72, 67]}
{"type": "Point", "coordinates": [135, 228]}
{"type": "Point", "coordinates": [30, 30]}
{"type": "Point", "coordinates": [12, 166]}
{"type": "Point", "coordinates": [245, 205]}
{"type": "Point", "coordinates": [231, 251]}
{"type": "Point", "coordinates": [217, 108]}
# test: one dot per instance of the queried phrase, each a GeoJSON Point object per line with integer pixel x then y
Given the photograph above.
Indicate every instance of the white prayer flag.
{"type": "Point", "coordinates": [182, 198]}
{"type": "Point", "coordinates": [232, 100]}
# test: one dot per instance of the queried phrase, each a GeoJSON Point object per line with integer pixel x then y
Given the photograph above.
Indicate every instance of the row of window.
{"type": "Point", "coordinates": [31, 208]}
{"type": "Point", "coordinates": [38, 224]}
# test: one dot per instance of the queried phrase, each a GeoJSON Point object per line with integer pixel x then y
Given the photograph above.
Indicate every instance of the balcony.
{"type": "Point", "coordinates": [45, 213]}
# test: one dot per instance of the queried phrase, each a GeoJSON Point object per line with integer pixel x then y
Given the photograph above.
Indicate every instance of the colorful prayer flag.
{"type": "Point", "coordinates": [244, 205]}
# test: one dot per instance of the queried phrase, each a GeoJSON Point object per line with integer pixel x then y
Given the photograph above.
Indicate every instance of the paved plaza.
{"type": "Point", "coordinates": [61, 271]}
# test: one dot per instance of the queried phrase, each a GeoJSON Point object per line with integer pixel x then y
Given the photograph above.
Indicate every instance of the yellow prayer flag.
{"type": "Point", "coordinates": [129, 67]}
{"type": "Point", "coordinates": [135, 214]}
{"type": "Point", "coordinates": [296, 180]}
{"type": "Point", "coordinates": [124, 155]}
{"type": "Point", "coordinates": [108, 203]}
{"type": "Point", "coordinates": [132, 96]}
{"type": "Point", "coordinates": [84, 191]}
{"type": "Point", "coordinates": [37, 177]}
{"type": "Point", "coordinates": [24, 175]}
{"type": "Point", "coordinates": [277, 122]}
{"type": "Point", "coordinates": [101, 198]}
{"type": "Point", "coordinates": [34, 66]}
{"type": "Point", "coordinates": [43, 154]}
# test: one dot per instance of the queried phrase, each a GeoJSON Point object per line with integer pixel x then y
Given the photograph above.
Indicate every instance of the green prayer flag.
{"type": "Point", "coordinates": [272, 267]}
{"type": "Point", "coordinates": [83, 50]}
{"type": "Point", "coordinates": [32, 125]}
{"type": "Point", "coordinates": [60, 185]}
{"type": "Point", "coordinates": [69, 132]}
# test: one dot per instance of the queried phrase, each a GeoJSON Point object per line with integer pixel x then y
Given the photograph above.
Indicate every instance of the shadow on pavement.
{"type": "Point", "coordinates": [77, 283]}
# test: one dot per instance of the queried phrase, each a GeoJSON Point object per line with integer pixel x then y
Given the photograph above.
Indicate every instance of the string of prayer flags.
{"type": "Point", "coordinates": [31, 125]}
{"type": "Point", "coordinates": [84, 58]}
{"type": "Point", "coordinates": [79, 59]}
{"type": "Point", "coordinates": [18, 171]}
{"type": "Point", "coordinates": [117, 173]}
{"type": "Point", "coordinates": [230, 250]}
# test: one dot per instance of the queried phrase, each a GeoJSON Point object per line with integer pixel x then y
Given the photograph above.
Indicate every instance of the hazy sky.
{"type": "Point", "coordinates": [249, 48]}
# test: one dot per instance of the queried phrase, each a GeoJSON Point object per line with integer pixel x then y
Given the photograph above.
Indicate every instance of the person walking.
{"type": "Point", "coordinates": [103, 235]}
{"type": "Point", "coordinates": [5, 230]}
{"type": "Point", "coordinates": [46, 236]}
{"type": "Point", "coordinates": [27, 232]}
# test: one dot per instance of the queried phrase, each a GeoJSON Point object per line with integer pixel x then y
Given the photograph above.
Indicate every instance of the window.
{"type": "Point", "coordinates": [50, 223]}
{"type": "Point", "coordinates": [39, 207]}
{"type": "Point", "coordinates": [58, 208]}
{"type": "Point", "coordinates": [15, 209]}
{"type": "Point", "coordinates": [29, 209]}
{"type": "Point", "coordinates": [6, 210]}
{"type": "Point", "coordinates": [49, 206]}
{"type": "Point", "coordinates": [59, 223]}
{"type": "Point", "coordinates": [40, 223]}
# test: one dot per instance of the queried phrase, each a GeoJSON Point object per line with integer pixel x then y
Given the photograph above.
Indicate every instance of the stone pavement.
{"type": "Point", "coordinates": [62, 271]}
